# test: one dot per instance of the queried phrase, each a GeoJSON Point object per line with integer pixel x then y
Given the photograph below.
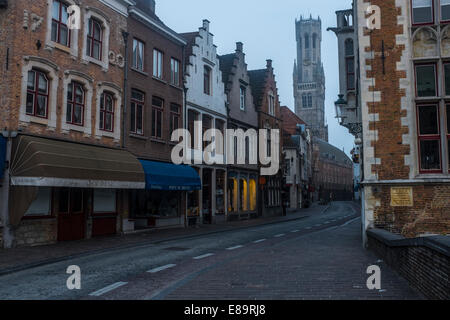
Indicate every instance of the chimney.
{"type": "Point", "coordinates": [206, 24]}
{"type": "Point", "coordinates": [239, 47]}
{"type": "Point", "coordinates": [148, 6]}
{"type": "Point", "coordinates": [269, 64]}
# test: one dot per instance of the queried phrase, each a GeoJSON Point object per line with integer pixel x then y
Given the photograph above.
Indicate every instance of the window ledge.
{"type": "Point", "coordinates": [137, 136]}
{"type": "Point", "coordinates": [159, 80]}
{"type": "Point", "coordinates": [158, 140]}
{"type": "Point", "coordinates": [139, 71]}
{"type": "Point", "coordinates": [176, 87]}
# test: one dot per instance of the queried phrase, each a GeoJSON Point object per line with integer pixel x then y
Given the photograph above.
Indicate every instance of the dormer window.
{"type": "Point", "coordinates": [94, 39]}
{"type": "Point", "coordinates": [60, 31]}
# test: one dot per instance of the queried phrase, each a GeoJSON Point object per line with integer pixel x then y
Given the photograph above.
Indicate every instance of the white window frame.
{"type": "Point", "coordinates": [97, 14]}
{"type": "Point", "coordinates": [117, 95]}
{"type": "Point", "coordinates": [158, 64]}
{"type": "Point", "coordinates": [140, 50]}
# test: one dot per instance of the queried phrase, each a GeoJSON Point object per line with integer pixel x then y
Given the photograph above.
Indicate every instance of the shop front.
{"type": "Point", "coordinates": [63, 191]}
{"type": "Point", "coordinates": [163, 202]}
{"type": "Point", "coordinates": [242, 195]}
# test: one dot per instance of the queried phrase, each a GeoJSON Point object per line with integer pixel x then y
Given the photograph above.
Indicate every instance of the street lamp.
{"type": "Point", "coordinates": [340, 104]}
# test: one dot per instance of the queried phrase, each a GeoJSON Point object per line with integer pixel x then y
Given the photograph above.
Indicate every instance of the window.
{"type": "Point", "coordinates": [174, 72]}
{"type": "Point", "coordinates": [75, 104]}
{"type": "Point", "coordinates": [94, 39]}
{"type": "Point", "coordinates": [107, 112]}
{"type": "Point", "coordinates": [306, 41]}
{"type": "Point", "coordinates": [157, 117]}
{"type": "Point", "coordinates": [158, 64]}
{"type": "Point", "coordinates": [448, 135]}
{"type": "Point", "coordinates": [422, 12]}
{"type": "Point", "coordinates": [105, 201]}
{"type": "Point", "coordinates": [207, 80]}
{"type": "Point", "coordinates": [447, 78]}
{"type": "Point", "coordinates": [207, 123]}
{"type": "Point", "coordinates": [309, 100]}
{"type": "Point", "coordinates": [426, 80]}
{"type": "Point", "coordinates": [60, 31]}
{"type": "Point", "coordinates": [242, 97]}
{"type": "Point", "coordinates": [37, 94]}
{"type": "Point", "coordinates": [41, 206]}
{"type": "Point", "coordinates": [350, 67]}
{"type": "Point", "coordinates": [175, 116]}
{"type": "Point", "coordinates": [271, 104]}
{"type": "Point", "coordinates": [445, 10]}
{"type": "Point", "coordinates": [138, 55]}
{"type": "Point", "coordinates": [305, 100]}
{"type": "Point", "coordinates": [192, 117]}
{"type": "Point", "coordinates": [429, 138]}
{"type": "Point", "coordinates": [349, 48]}
{"type": "Point", "coordinates": [137, 112]}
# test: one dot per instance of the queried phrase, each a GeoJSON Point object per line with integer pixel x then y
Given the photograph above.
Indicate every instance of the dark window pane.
{"type": "Point", "coordinates": [448, 119]}
{"type": "Point", "coordinates": [30, 103]}
{"type": "Point", "coordinates": [422, 11]}
{"type": "Point", "coordinates": [102, 115]}
{"type": "Point", "coordinates": [133, 117]}
{"type": "Point", "coordinates": [64, 36]}
{"type": "Point", "coordinates": [108, 121]}
{"type": "Point", "coordinates": [78, 115]}
{"type": "Point", "coordinates": [69, 113]}
{"type": "Point", "coordinates": [64, 200]}
{"type": "Point", "coordinates": [426, 81]}
{"type": "Point", "coordinates": [139, 119]}
{"type": "Point", "coordinates": [447, 79]}
{"type": "Point", "coordinates": [428, 120]}
{"type": "Point", "coordinates": [42, 106]}
{"type": "Point", "coordinates": [157, 102]}
{"type": "Point", "coordinates": [54, 31]}
{"type": "Point", "coordinates": [77, 200]}
{"type": "Point", "coordinates": [430, 155]}
{"type": "Point", "coordinates": [445, 9]}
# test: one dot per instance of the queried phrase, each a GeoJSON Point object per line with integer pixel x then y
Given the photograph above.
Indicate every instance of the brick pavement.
{"type": "Point", "coordinates": [25, 257]}
{"type": "Point", "coordinates": [330, 264]}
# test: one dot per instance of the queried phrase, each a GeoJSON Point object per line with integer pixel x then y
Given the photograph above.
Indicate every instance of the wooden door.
{"type": "Point", "coordinates": [71, 214]}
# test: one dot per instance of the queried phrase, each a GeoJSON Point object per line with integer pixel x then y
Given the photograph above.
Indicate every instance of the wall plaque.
{"type": "Point", "coordinates": [402, 197]}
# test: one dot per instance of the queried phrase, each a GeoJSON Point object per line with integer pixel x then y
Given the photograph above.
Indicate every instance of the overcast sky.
{"type": "Point", "coordinates": [267, 29]}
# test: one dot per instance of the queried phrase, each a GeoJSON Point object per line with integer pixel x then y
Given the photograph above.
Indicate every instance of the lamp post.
{"type": "Point", "coordinates": [8, 237]}
{"type": "Point", "coordinates": [340, 104]}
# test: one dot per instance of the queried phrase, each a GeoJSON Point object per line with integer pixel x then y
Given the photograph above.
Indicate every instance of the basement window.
{"type": "Point", "coordinates": [422, 12]}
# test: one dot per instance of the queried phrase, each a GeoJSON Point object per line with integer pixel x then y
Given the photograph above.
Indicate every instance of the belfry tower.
{"type": "Point", "coordinates": [309, 77]}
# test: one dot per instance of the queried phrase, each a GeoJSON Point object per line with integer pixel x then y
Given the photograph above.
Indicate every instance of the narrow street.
{"type": "Point", "coordinates": [319, 257]}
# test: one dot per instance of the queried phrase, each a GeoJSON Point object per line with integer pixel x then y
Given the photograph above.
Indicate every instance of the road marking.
{"type": "Point", "coordinates": [162, 268]}
{"type": "Point", "coordinates": [259, 241]}
{"type": "Point", "coordinates": [280, 235]}
{"type": "Point", "coordinates": [295, 231]}
{"type": "Point", "coordinates": [204, 256]}
{"type": "Point", "coordinates": [108, 289]}
{"type": "Point", "coordinates": [235, 247]}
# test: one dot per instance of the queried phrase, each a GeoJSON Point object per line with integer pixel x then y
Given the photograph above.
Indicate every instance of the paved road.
{"type": "Point", "coordinates": [319, 257]}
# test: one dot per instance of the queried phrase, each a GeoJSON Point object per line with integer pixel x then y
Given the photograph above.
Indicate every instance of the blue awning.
{"type": "Point", "coordinates": [2, 156]}
{"type": "Point", "coordinates": [170, 177]}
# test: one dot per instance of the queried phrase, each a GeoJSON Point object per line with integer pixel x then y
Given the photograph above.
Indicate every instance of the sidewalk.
{"type": "Point", "coordinates": [13, 260]}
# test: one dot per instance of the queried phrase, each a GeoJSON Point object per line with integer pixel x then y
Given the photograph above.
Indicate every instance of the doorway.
{"type": "Point", "coordinates": [71, 214]}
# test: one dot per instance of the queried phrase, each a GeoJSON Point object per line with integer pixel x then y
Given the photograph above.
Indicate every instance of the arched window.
{"type": "Point", "coordinates": [37, 94]}
{"type": "Point", "coordinates": [75, 103]}
{"type": "Point", "coordinates": [107, 111]}
{"type": "Point", "coordinates": [306, 41]}
{"type": "Point", "coordinates": [95, 39]}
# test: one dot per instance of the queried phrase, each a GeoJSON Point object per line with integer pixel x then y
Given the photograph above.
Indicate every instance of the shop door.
{"type": "Point", "coordinates": [207, 196]}
{"type": "Point", "coordinates": [71, 214]}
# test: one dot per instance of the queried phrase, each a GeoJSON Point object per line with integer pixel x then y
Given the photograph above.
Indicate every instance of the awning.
{"type": "Point", "coordinates": [170, 177]}
{"type": "Point", "coordinates": [52, 163]}
{"type": "Point", "coordinates": [2, 156]}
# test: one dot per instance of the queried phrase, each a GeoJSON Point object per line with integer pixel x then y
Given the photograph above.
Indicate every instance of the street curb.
{"type": "Point", "coordinates": [137, 245]}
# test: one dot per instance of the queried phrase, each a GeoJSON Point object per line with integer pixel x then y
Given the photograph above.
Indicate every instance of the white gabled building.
{"type": "Point", "coordinates": [206, 101]}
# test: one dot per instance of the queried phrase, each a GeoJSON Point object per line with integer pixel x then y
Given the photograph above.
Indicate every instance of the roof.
{"type": "Point", "coordinates": [226, 66]}
{"type": "Point", "coordinates": [290, 120]}
{"type": "Point", "coordinates": [258, 83]}
{"type": "Point", "coordinates": [329, 152]}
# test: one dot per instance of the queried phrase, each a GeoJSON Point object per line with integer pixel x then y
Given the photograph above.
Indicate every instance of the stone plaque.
{"type": "Point", "coordinates": [402, 197]}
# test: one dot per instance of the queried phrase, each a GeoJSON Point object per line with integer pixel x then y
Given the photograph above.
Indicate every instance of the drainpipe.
{"type": "Point", "coordinates": [125, 90]}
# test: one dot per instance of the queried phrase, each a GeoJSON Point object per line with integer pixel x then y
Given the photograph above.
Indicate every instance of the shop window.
{"type": "Point", "coordinates": [107, 112]}
{"type": "Point", "coordinates": [137, 112]}
{"type": "Point", "coordinates": [243, 191]}
{"type": "Point", "coordinates": [422, 12]}
{"type": "Point", "coordinates": [37, 94]}
{"type": "Point", "coordinates": [104, 201]}
{"type": "Point", "coordinates": [70, 200]}
{"type": "Point", "coordinates": [220, 192]}
{"type": "Point", "coordinates": [155, 204]}
{"type": "Point", "coordinates": [157, 117]}
{"type": "Point", "coordinates": [75, 104]}
{"type": "Point", "coordinates": [232, 195]}
{"type": "Point", "coordinates": [41, 206]}
{"type": "Point", "coordinates": [252, 193]}
{"type": "Point", "coordinates": [429, 138]}
{"type": "Point", "coordinates": [426, 80]}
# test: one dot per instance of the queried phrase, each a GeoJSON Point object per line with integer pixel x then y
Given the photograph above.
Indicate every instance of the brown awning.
{"type": "Point", "coordinates": [51, 163]}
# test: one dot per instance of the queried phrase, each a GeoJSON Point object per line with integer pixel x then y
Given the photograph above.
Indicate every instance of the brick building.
{"type": "Point", "coordinates": [61, 108]}
{"type": "Point", "coordinates": [267, 103]}
{"type": "Point", "coordinates": [405, 88]}
{"type": "Point", "coordinates": [242, 180]}
{"type": "Point", "coordinates": [154, 110]}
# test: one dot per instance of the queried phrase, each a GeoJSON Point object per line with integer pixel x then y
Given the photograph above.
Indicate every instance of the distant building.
{"type": "Point", "coordinates": [309, 77]}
